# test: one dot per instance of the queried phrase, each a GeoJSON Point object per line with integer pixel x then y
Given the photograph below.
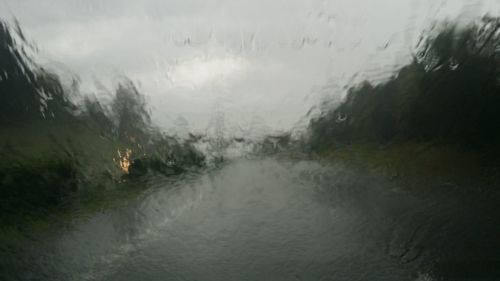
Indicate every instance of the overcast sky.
{"type": "Point", "coordinates": [263, 63]}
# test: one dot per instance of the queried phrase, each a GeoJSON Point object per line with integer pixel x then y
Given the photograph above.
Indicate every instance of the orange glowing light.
{"type": "Point", "coordinates": [124, 159]}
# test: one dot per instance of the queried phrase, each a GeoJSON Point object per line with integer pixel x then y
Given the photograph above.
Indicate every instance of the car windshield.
{"type": "Point", "coordinates": [249, 140]}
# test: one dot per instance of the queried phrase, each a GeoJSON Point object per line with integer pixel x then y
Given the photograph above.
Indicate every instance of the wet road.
{"type": "Point", "coordinates": [274, 220]}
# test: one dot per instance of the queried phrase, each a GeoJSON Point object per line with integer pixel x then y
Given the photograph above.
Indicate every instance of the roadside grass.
{"type": "Point", "coordinates": [414, 163]}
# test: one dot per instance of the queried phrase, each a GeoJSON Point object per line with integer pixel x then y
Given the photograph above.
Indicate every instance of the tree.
{"type": "Point", "coordinates": [449, 92]}
{"type": "Point", "coordinates": [133, 121]}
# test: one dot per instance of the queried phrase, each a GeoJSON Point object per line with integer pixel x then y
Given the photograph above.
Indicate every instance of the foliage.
{"type": "Point", "coordinates": [132, 118]}
{"type": "Point", "coordinates": [450, 93]}
{"type": "Point", "coordinates": [53, 149]}
{"type": "Point", "coordinates": [30, 187]}
{"type": "Point", "coordinates": [28, 92]}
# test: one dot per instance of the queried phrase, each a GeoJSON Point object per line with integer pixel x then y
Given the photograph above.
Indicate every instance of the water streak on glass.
{"type": "Point", "coordinates": [249, 140]}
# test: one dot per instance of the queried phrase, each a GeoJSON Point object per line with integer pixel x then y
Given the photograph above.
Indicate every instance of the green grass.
{"type": "Point", "coordinates": [52, 174]}
{"type": "Point", "coordinates": [44, 170]}
{"type": "Point", "coordinates": [419, 163]}
{"type": "Point", "coordinates": [42, 140]}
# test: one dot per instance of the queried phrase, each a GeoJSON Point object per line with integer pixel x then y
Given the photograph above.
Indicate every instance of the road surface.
{"type": "Point", "coordinates": [268, 219]}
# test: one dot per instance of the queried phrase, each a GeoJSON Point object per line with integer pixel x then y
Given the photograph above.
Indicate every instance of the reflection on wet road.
{"type": "Point", "coordinates": [272, 220]}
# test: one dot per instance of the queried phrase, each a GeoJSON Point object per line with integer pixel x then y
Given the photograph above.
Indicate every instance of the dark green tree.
{"type": "Point", "coordinates": [450, 92]}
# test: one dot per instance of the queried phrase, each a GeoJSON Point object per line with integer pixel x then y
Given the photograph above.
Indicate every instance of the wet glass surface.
{"type": "Point", "coordinates": [271, 220]}
{"type": "Point", "coordinates": [249, 140]}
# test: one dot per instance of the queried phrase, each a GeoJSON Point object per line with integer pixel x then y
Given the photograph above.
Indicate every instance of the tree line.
{"type": "Point", "coordinates": [54, 148]}
{"type": "Point", "coordinates": [448, 93]}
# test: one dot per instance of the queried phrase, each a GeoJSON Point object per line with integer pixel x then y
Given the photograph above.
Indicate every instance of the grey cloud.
{"type": "Point", "coordinates": [290, 47]}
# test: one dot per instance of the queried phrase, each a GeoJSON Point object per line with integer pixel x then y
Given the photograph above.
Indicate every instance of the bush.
{"type": "Point", "coordinates": [28, 187]}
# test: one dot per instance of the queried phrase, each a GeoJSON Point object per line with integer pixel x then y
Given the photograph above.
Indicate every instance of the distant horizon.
{"type": "Point", "coordinates": [265, 65]}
